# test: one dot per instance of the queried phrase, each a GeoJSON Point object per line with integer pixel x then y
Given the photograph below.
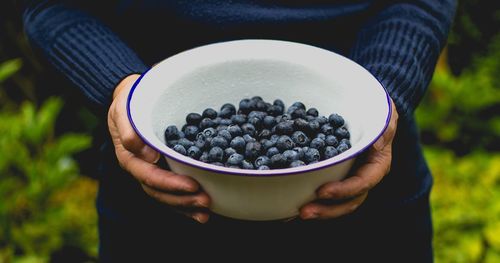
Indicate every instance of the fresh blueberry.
{"type": "Point", "coordinates": [342, 147]}
{"type": "Point", "coordinates": [229, 151]}
{"type": "Point", "coordinates": [278, 161]}
{"type": "Point", "coordinates": [291, 109]}
{"type": "Point", "coordinates": [272, 151]}
{"type": "Point", "coordinates": [245, 106]}
{"type": "Point", "coordinates": [300, 124]}
{"type": "Point", "coordinates": [290, 156]}
{"type": "Point", "coordinates": [209, 113]}
{"type": "Point", "coordinates": [226, 113]}
{"type": "Point", "coordinates": [330, 152]}
{"type": "Point", "coordinates": [172, 143]}
{"type": "Point", "coordinates": [194, 152]}
{"type": "Point", "coordinates": [264, 134]}
{"type": "Point", "coordinates": [225, 134]}
{"type": "Point", "coordinates": [313, 127]}
{"type": "Point", "coordinates": [180, 149]}
{"type": "Point", "coordinates": [256, 122]}
{"type": "Point", "coordinates": [285, 143]}
{"type": "Point", "coordinates": [299, 105]}
{"type": "Point", "coordinates": [346, 141]}
{"type": "Point", "coordinates": [193, 119]}
{"type": "Point", "coordinates": [342, 132]}
{"type": "Point", "coordinates": [299, 151]}
{"type": "Point", "coordinates": [261, 106]}
{"type": "Point", "coordinates": [257, 114]}
{"type": "Point", "coordinates": [300, 138]}
{"type": "Point", "coordinates": [336, 120]}
{"type": "Point", "coordinates": [327, 129]}
{"type": "Point", "coordinates": [262, 160]}
{"type": "Point", "coordinates": [310, 118]}
{"type": "Point", "coordinates": [207, 123]}
{"type": "Point", "coordinates": [191, 131]}
{"type": "Point", "coordinates": [228, 105]}
{"type": "Point", "coordinates": [181, 134]}
{"type": "Point", "coordinates": [221, 127]}
{"type": "Point", "coordinates": [249, 129]}
{"type": "Point", "coordinates": [185, 142]}
{"type": "Point", "coordinates": [311, 155]}
{"type": "Point", "coordinates": [217, 120]}
{"type": "Point", "coordinates": [274, 138]}
{"type": "Point", "coordinates": [266, 144]}
{"type": "Point", "coordinates": [247, 165]}
{"type": "Point", "coordinates": [238, 119]}
{"type": "Point", "coordinates": [235, 130]}
{"type": "Point", "coordinates": [322, 120]}
{"type": "Point", "coordinates": [297, 163]}
{"type": "Point", "coordinates": [219, 141]}
{"type": "Point", "coordinates": [322, 136]}
{"type": "Point", "coordinates": [171, 133]}
{"type": "Point", "coordinates": [274, 110]}
{"type": "Point", "coordinates": [201, 142]}
{"type": "Point", "coordinates": [209, 132]}
{"type": "Point", "coordinates": [317, 143]}
{"type": "Point", "coordinates": [204, 157]}
{"type": "Point", "coordinates": [263, 167]}
{"type": "Point", "coordinates": [257, 98]}
{"type": "Point", "coordinates": [312, 112]}
{"type": "Point", "coordinates": [331, 140]}
{"type": "Point", "coordinates": [298, 113]}
{"type": "Point", "coordinates": [253, 150]}
{"type": "Point", "coordinates": [238, 143]}
{"type": "Point", "coordinates": [284, 128]}
{"type": "Point", "coordinates": [235, 159]}
{"type": "Point", "coordinates": [216, 154]}
{"type": "Point", "coordinates": [283, 118]}
{"type": "Point", "coordinates": [226, 122]}
{"type": "Point", "coordinates": [280, 103]}
{"type": "Point", "coordinates": [269, 122]}
{"type": "Point", "coordinates": [248, 138]}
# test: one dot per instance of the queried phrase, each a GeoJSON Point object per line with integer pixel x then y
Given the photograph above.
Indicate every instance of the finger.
{"type": "Point", "coordinates": [200, 216]}
{"type": "Point", "coordinates": [128, 137]}
{"type": "Point", "coordinates": [200, 200]}
{"type": "Point", "coordinates": [319, 211]}
{"type": "Point", "coordinates": [368, 175]}
{"type": "Point", "coordinates": [153, 176]}
{"type": "Point", "coordinates": [390, 132]}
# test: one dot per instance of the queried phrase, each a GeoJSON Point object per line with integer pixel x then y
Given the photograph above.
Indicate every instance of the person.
{"type": "Point", "coordinates": [381, 211]}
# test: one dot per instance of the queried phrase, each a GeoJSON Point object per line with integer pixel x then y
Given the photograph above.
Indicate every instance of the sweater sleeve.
{"type": "Point", "coordinates": [400, 46]}
{"type": "Point", "coordinates": [87, 52]}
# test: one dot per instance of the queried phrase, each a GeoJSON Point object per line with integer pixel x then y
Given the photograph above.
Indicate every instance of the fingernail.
{"type": "Point", "coordinates": [310, 215]}
{"type": "Point", "coordinates": [198, 219]}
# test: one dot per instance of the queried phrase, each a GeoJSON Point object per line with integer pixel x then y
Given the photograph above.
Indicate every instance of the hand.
{"type": "Point", "coordinates": [139, 159]}
{"type": "Point", "coordinates": [354, 189]}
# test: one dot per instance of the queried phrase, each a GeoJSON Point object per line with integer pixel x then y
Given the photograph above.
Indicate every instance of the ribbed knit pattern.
{"type": "Point", "coordinates": [82, 48]}
{"type": "Point", "coordinates": [400, 48]}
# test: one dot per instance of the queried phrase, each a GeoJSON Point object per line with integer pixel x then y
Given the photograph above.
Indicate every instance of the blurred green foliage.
{"type": "Point", "coordinates": [45, 204]}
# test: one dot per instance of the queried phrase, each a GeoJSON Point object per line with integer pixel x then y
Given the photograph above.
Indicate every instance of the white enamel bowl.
{"type": "Point", "coordinates": [212, 75]}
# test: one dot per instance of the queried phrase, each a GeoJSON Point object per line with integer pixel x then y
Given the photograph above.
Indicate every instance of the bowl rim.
{"type": "Point", "coordinates": [260, 173]}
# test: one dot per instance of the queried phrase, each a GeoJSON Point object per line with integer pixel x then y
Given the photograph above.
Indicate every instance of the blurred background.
{"type": "Point", "coordinates": [47, 191]}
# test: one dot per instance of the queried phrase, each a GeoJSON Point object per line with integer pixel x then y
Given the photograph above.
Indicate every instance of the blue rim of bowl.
{"type": "Point", "coordinates": [261, 173]}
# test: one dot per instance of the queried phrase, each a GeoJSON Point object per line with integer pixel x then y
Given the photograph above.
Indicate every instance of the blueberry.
{"type": "Point", "coordinates": [191, 131]}
{"type": "Point", "coordinates": [225, 134]}
{"type": "Point", "coordinates": [229, 151]}
{"type": "Point", "coordinates": [322, 120]}
{"type": "Point", "coordinates": [317, 143]}
{"type": "Point", "coordinates": [171, 133]}
{"type": "Point", "coordinates": [247, 165]}
{"type": "Point", "coordinates": [193, 119]}
{"type": "Point", "coordinates": [235, 130]}
{"type": "Point", "coordinates": [283, 118]}
{"type": "Point", "coordinates": [299, 105]}
{"type": "Point", "coordinates": [275, 110]}
{"type": "Point", "coordinates": [245, 106]}
{"type": "Point", "coordinates": [261, 106]}
{"type": "Point", "coordinates": [262, 160]}
{"type": "Point", "coordinates": [221, 127]}
{"type": "Point", "coordinates": [346, 141]}
{"type": "Point", "coordinates": [257, 98]}
{"type": "Point", "coordinates": [204, 157]}
{"type": "Point", "coordinates": [342, 147]}
{"type": "Point", "coordinates": [291, 109]}
{"type": "Point", "coordinates": [278, 161]}
{"type": "Point", "coordinates": [298, 113]}
{"type": "Point", "coordinates": [313, 126]}
{"type": "Point", "coordinates": [207, 123]}
{"type": "Point", "coordinates": [322, 136]}
{"type": "Point", "coordinates": [336, 120]}
{"type": "Point", "coordinates": [185, 142]}
{"type": "Point", "coordinates": [342, 132]}
{"type": "Point", "coordinates": [171, 143]}
{"type": "Point", "coordinates": [265, 134]}
{"type": "Point", "coordinates": [284, 128]}
{"type": "Point", "coordinates": [272, 151]}
{"type": "Point", "coordinates": [310, 118]}
{"type": "Point", "coordinates": [330, 152]}
{"type": "Point", "coordinates": [266, 144]}
{"type": "Point", "coordinates": [228, 105]}
{"type": "Point", "coordinates": [201, 142]}
{"type": "Point", "coordinates": [238, 143]}
{"type": "Point", "coordinates": [290, 156]}
{"type": "Point", "coordinates": [216, 154]}
{"type": "Point", "coordinates": [194, 152]}
{"type": "Point", "coordinates": [280, 103]}
{"type": "Point", "coordinates": [285, 143]}
{"type": "Point", "coordinates": [180, 149]}
{"type": "Point", "coordinates": [297, 163]}
{"type": "Point", "coordinates": [263, 167]}
{"type": "Point", "coordinates": [235, 159]}
{"type": "Point", "coordinates": [300, 124]}
{"type": "Point", "coordinates": [299, 151]}
{"type": "Point", "coordinates": [209, 113]}
{"type": "Point", "coordinates": [209, 132]}
{"type": "Point", "coordinates": [217, 120]}
{"type": "Point", "coordinates": [256, 122]}
{"type": "Point", "coordinates": [249, 129]}
{"type": "Point", "coordinates": [253, 150]}
{"type": "Point", "coordinates": [239, 119]}
{"type": "Point", "coordinates": [274, 138]}
{"type": "Point", "coordinates": [226, 122]}
{"type": "Point", "coordinates": [219, 141]}
{"type": "Point", "coordinates": [331, 140]}
{"type": "Point", "coordinates": [248, 138]}
{"type": "Point", "coordinates": [300, 138]}
{"type": "Point", "coordinates": [312, 112]}
{"type": "Point", "coordinates": [327, 129]}
{"type": "Point", "coordinates": [257, 114]}
{"type": "Point", "coordinates": [311, 155]}
{"type": "Point", "coordinates": [217, 163]}
{"type": "Point", "coordinates": [181, 134]}
{"type": "Point", "coordinates": [226, 113]}
{"type": "Point", "coordinates": [269, 122]}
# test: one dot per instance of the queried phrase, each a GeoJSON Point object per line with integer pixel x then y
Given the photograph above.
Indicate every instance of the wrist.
{"type": "Point", "coordinates": [125, 84]}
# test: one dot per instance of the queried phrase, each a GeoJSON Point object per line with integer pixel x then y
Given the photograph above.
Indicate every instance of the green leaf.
{"type": "Point", "coordinates": [9, 68]}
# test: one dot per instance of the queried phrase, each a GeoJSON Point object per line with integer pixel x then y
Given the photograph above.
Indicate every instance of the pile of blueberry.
{"type": "Point", "coordinates": [260, 135]}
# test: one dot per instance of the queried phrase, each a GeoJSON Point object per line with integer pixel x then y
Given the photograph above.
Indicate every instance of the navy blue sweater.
{"type": "Point", "coordinates": [97, 43]}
